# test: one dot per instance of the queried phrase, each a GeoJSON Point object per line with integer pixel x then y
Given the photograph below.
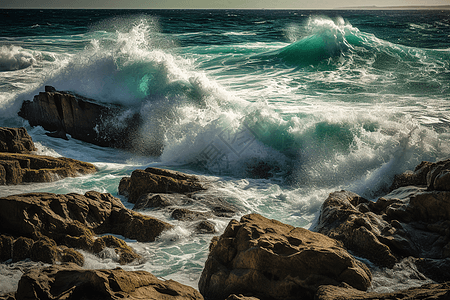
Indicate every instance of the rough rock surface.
{"type": "Point", "coordinates": [390, 228]}
{"type": "Point", "coordinates": [268, 259]}
{"type": "Point", "coordinates": [410, 221]}
{"type": "Point", "coordinates": [161, 188]}
{"type": "Point", "coordinates": [425, 292]}
{"type": "Point", "coordinates": [154, 180]}
{"type": "Point", "coordinates": [20, 168]}
{"type": "Point", "coordinates": [87, 120]}
{"type": "Point", "coordinates": [17, 165]}
{"type": "Point", "coordinates": [69, 281]}
{"type": "Point", "coordinates": [45, 221]}
{"type": "Point", "coordinates": [15, 140]}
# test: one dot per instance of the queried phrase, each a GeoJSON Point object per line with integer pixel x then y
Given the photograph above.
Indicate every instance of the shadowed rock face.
{"type": "Point", "coordinates": [85, 119]}
{"type": "Point", "coordinates": [269, 259]}
{"type": "Point", "coordinates": [71, 282]}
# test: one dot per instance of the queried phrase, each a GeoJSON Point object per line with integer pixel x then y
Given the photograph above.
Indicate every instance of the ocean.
{"type": "Point", "coordinates": [276, 108]}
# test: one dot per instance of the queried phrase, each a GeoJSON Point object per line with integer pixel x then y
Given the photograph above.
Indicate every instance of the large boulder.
{"type": "Point", "coordinates": [70, 282]}
{"type": "Point", "coordinates": [49, 220]}
{"type": "Point", "coordinates": [268, 259]}
{"type": "Point", "coordinates": [18, 168]}
{"type": "Point", "coordinates": [102, 124]}
{"type": "Point", "coordinates": [15, 140]}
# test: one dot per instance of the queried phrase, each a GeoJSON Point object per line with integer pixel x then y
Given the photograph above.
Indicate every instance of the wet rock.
{"type": "Point", "coordinates": [125, 253]}
{"type": "Point", "coordinates": [425, 292]}
{"type": "Point", "coordinates": [15, 140]}
{"type": "Point", "coordinates": [87, 120]}
{"type": "Point", "coordinates": [435, 176]}
{"type": "Point", "coordinates": [240, 297]}
{"type": "Point", "coordinates": [151, 200]}
{"type": "Point", "coordinates": [268, 259]}
{"type": "Point", "coordinates": [435, 269]}
{"type": "Point", "coordinates": [183, 214]}
{"type": "Point", "coordinates": [154, 180]}
{"type": "Point", "coordinates": [22, 168]}
{"type": "Point", "coordinates": [76, 283]}
{"type": "Point", "coordinates": [206, 227]}
{"type": "Point", "coordinates": [44, 222]}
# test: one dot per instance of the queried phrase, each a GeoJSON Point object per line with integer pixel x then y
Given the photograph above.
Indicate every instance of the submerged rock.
{"type": "Point", "coordinates": [70, 282]}
{"type": "Point", "coordinates": [268, 259]}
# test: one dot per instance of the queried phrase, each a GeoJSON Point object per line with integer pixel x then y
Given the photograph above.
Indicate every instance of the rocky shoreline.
{"type": "Point", "coordinates": [254, 258]}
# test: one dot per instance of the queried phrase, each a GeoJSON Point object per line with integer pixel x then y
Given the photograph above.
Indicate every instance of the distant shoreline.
{"type": "Point", "coordinates": [417, 7]}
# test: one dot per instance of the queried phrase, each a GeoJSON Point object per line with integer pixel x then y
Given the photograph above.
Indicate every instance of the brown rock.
{"type": "Point", "coordinates": [20, 168]}
{"type": "Point", "coordinates": [154, 180]}
{"type": "Point", "coordinates": [126, 253]}
{"type": "Point", "coordinates": [266, 258]}
{"type": "Point", "coordinates": [69, 282]}
{"type": "Point", "coordinates": [184, 214]}
{"type": "Point", "coordinates": [15, 140]}
{"type": "Point", "coordinates": [425, 292]}
{"type": "Point", "coordinates": [340, 218]}
{"type": "Point", "coordinates": [70, 220]}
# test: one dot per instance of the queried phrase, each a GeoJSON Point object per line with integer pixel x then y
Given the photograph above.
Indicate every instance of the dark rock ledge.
{"type": "Point", "coordinates": [102, 124]}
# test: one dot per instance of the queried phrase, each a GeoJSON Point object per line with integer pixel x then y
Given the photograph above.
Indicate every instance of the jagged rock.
{"type": "Point", "coordinates": [126, 253]}
{"type": "Point", "coordinates": [424, 292]}
{"type": "Point", "coordinates": [205, 227]}
{"type": "Point", "coordinates": [436, 176]}
{"type": "Point", "coordinates": [20, 168]}
{"type": "Point", "coordinates": [268, 259]}
{"type": "Point", "coordinates": [346, 216]}
{"type": "Point", "coordinates": [154, 180]}
{"type": "Point", "coordinates": [71, 282]}
{"type": "Point", "coordinates": [70, 220]}
{"type": "Point", "coordinates": [87, 120]}
{"type": "Point", "coordinates": [15, 140]}
{"type": "Point", "coordinates": [240, 297]}
{"type": "Point", "coordinates": [435, 269]}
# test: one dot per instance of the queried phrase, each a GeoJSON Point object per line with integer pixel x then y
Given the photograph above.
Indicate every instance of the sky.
{"type": "Point", "coordinates": [255, 4]}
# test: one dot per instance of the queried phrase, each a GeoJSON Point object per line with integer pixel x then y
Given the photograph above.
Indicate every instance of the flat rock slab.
{"type": "Point", "coordinates": [268, 259]}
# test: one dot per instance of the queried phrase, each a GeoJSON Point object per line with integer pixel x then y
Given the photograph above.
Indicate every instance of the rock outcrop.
{"type": "Point", "coordinates": [47, 222]}
{"type": "Point", "coordinates": [70, 282]}
{"type": "Point", "coordinates": [425, 292]}
{"type": "Point", "coordinates": [15, 140]}
{"type": "Point", "coordinates": [161, 188]}
{"type": "Point", "coordinates": [18, 166]}
{"type": "Point", "coordinates": [87, 120]}
{"type": "Point", "coordinates": [410, 221]}
{"type": "Point", "coordinates": [268, 259]}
